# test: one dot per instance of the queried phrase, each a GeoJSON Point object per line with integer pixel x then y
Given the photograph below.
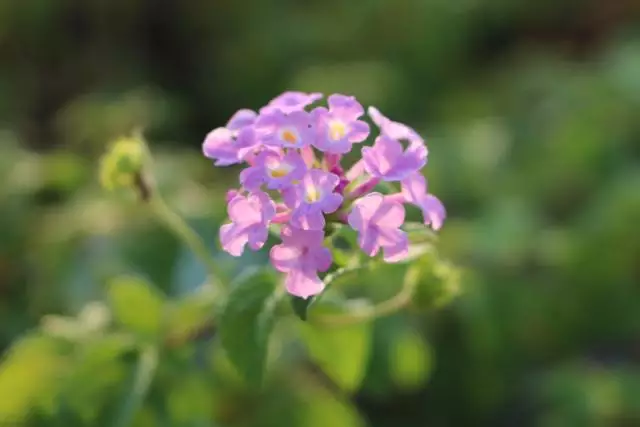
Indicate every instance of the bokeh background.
{"type": "Point", "coordinates": [531, 110]}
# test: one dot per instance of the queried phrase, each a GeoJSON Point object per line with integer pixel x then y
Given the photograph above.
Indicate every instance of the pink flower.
{"type": "Point", "coordinates": [231, 144]}
{"type": "Point", "coordinates": [339, 127]}
{"type": "Point", "coordinates": [414, 190]}
{"type": "Point", "coordinates": [377, 221]}
{"type": "Point", "coordinates": [393, 129]}
{"type": "Point", "coordinates": [275, 169]}
{"type": "Point", "coordinates": [311, 198]}
{"type": "Point", "coordinates": [291, 101]}
{"type": "Point", "coordinates": [250, 217]}
{"type": "Point", "coordinates": [278, 129]}
{"type": "Point", "coordinates": [301, 255]}
{"type": "Point", "coordinates": [386, 159]}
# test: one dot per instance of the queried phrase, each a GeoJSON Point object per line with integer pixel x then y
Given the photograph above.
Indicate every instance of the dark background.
{"type": "Point", "coordinates": [531, 111]}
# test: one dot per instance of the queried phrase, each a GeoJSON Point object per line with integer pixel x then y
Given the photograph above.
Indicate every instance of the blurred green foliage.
{"type": "Point", "coordinates": [531, 112]}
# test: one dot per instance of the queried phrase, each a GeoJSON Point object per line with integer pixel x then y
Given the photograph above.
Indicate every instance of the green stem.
{"type": "Point", "coordinates": [182, 231]}
{"type": "Point", "coordinates": [367, 313]}
{"type": "Point", "coordinates": [142, 377]}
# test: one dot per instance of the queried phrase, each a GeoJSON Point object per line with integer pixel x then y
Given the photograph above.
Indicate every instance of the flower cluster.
{"type": "Point", "coordinates": [295, 177]}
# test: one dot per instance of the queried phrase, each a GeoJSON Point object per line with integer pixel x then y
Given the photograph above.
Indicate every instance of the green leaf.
{"type": "Point", "coordinates": [342, 352]}
{"type": "Point", "coordinates": [344, 246]}
{"type": "Point", "coordinates": [301, 306]}
{"type": "Point", "coordinates": [246, 323]}
{"type": "Point", "coordinates": [137, 306]}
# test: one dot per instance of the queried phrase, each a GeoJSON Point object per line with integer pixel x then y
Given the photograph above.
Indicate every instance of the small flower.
{"type": "Point", "coordinates": [301, 255]}
{"type": "Point", "coordinates": [291, 101]}
{"type": "Point", "coordinates": [414, 190]}
{"type": "Point", "coordinates": [339, 127]}
{"type": "Point", "coordinates": [278, 129]}
{"type": "Point", "coordinates": [231, 144]}
{"type": "Point", "coordinates": [275, 169]}
{"type": "Point", "coordinates": [393, 129]}
{"type": "Point", "coordinates": [377, 221]}
{"type": "Point", "coordinates": [250, 217]}
{"type": "Point", "coordinates": [387, 161]}
{"type": "Point", "coordinates": [311, 197]}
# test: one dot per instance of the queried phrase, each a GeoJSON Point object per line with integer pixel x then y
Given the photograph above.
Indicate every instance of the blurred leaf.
{"type": "Point", "coordinates": [410, 360]}
{"type": "Point", "coordinates": [101, 359]}
{"type": "Point", "coordinates": [190, 400]}
{"type": "Point", "coordinates": [321, 408]}
{"type": "Point", "coordinates": [341, 352]}
{"type": "Point", "coordinates": [190, 314]}
{"type": "Point", "coordinates": [137, 306]}
{"type": "Point", "coordinates": [247, 321]}
{"type": "Point", "coordinates": [29, 377]}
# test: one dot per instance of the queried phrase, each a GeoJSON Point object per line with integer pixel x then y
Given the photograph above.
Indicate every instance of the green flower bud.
{"type": "Point", "coordinates": [122, 165]}
{"type": "Point", "coordinates": [438, 283]}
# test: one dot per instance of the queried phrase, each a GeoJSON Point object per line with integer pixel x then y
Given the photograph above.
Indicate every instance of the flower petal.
{"type": "Point", "coordinates": [285, 257]}
{"type": "Point", "coordinates": [433, 211]}
{"type": "Point", "coordinates": [233, 238]}
{"type": "Point", "coordinates": [331, 203]}
{"type": "Point", "coordinates": [241, 119]}
{"type": "Point", "coordinates": [389, 215]}
{"type": "Point", "coordinates": [303, 283]}
{"type": "Point", "coordinates": [368, 241]}
{"type": "Point", "coordinates": [414, 187]}
{"type": "Point", "coordinates": [395, 244]}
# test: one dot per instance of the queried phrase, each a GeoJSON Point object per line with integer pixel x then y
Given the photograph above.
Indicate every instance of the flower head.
{"type": "Point", "coordinates": [339, 127]}
{"type": "Point", "coordinates": [250, 217]}
{"type": "Point", "coordinates": [280, 146]}
{"type": "Point", "coordinates": [377, 221]}
{"type": "Point", "coordinates": [301, 255]}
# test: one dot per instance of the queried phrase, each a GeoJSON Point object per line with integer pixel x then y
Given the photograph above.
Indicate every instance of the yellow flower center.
{"type": "Point", "coordinates": [312, 194]}
{"type": "Point", "coordinates": [289, 136]}
{"type": "Point", "coordinates": [337, 130]}
{"type": "Point", "coordinates": [278, 169]}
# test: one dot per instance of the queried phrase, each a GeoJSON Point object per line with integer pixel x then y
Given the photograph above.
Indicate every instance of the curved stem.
{"type": "Point", "coordinates": [385, 308]}
{"type": "Point", "coordinates": [176, 224]}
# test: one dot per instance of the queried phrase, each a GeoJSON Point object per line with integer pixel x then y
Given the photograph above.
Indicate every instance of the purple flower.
{"type": "Point", "coordinates": [387, 161]}
{"type": "Point", "coordinates": [301, 255]}
{"type": "Point", "coordinates": [339, 127]}
{"type": "Point", "coordinates": [414, 190]}
{"type": "Point", "coordinates": [311, 197]}
{"type": "Point", "coordinates": [231, 144]}
{"type": "Point", "coordinates": [250, 217]}
{"type": "Point", "coordinates": [291, 101]}
{"type": "Point", "coordinates": [393, 129]}
{"type": "Point", "coordinates": [291, 130]}
{"type": "Point", "coordinates": [275, 169]}
{"type": "Point", "coordinates": [377, 221]}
